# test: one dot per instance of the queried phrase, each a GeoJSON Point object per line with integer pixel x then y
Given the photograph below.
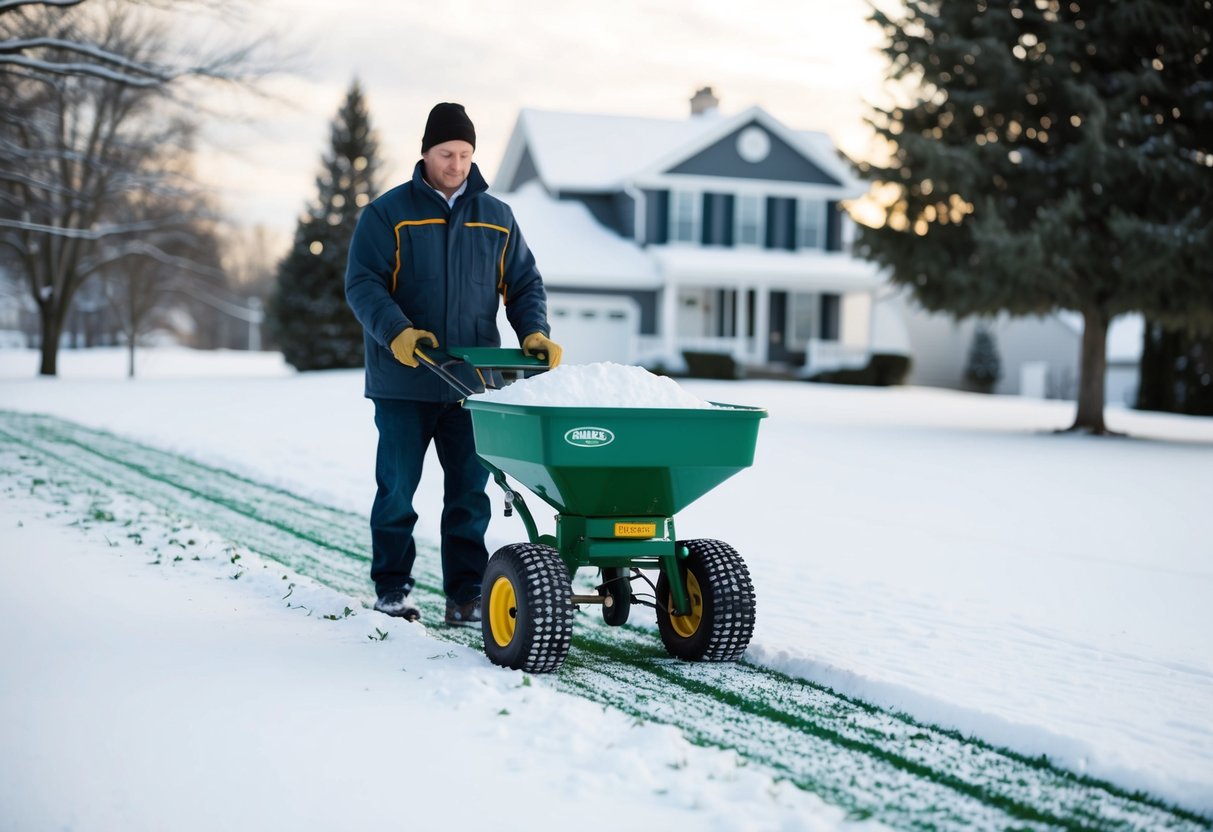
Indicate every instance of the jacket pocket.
{"type": "Point", "coordinates": [427, 254]}
{"type": "Point", "coordinates": [482, 248]}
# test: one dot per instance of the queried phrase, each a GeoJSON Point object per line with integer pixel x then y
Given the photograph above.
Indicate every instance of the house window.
{"type": "Point", "coordinates": [802, 311]}
{"type": "Point", "coordinates": [810, 223]}
{"type": "Point", "coordinates": [748, 231]}
{"type": "Point", "coordinates": [684, 217]}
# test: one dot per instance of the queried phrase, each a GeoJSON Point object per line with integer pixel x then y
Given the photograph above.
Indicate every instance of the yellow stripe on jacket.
{"type": "Point", "coordinates": [501, 264]}
{"type": "Point", "coordinates": [396, 230]}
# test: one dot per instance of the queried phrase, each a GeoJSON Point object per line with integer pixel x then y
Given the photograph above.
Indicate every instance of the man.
{"type": "Point", "coordinates": [427, 263]}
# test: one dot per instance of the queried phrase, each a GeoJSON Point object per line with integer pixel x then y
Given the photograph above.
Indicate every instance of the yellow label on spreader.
{"type": "Point", "coordinates": [635, 530]}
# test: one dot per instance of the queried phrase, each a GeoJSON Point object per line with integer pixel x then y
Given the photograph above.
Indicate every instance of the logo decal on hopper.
{"type": "Point", "coordinates": [589, 437]}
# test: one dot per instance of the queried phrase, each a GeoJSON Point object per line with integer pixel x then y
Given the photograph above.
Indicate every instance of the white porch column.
{"type": "Point", "coordinates": [746, 347]}
{"type": "Point", "coordinates": [762, 324]}
{"type": "Point", "coordinates": [669, 321]}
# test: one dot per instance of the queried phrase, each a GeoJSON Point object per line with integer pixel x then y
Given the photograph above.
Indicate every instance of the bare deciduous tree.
{"type": "Point", "coordinates": [89, 114]}
{"type": "Point", "coordinates": [144, 277]}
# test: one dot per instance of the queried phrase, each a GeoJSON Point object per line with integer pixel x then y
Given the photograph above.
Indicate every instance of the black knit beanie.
{"type": "Point", "coordinates": [447, 122]}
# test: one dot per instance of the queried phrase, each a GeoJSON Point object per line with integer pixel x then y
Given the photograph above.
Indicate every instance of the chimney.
{"type": "Point", "coordinates": [704, 102]}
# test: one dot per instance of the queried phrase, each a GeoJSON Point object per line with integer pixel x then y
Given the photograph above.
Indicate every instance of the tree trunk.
{"type": "Point", "coordinates": [1092, 372]}
{"type": "Point", "coordinates": [52, 326]}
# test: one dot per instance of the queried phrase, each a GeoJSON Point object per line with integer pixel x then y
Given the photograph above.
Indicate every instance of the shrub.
{"type": "Point", "coordinates": [882, 370]}
{"type": "Point", "coordinates": [717, 365]}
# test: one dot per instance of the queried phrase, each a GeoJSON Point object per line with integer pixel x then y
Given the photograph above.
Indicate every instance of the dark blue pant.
{"type": "Point", "coordinates": [406, 429]}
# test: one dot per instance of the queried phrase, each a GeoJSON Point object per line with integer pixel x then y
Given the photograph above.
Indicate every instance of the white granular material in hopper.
{"type": "Point", "coordinates": [604, 384]}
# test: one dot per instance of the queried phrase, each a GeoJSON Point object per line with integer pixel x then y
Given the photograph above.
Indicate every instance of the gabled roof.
{"type": "Point", "coordinates": [587, 153]}
{"type": "Point", "coordinates": [572, 249]}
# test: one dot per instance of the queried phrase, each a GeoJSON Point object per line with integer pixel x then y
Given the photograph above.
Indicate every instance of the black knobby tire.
{"type": "Point", "coordinates": [616, 584]}
{"type": "Point", "coordinates": [538, 627]}
{"type": "Point", "coordinates": [722, 620]}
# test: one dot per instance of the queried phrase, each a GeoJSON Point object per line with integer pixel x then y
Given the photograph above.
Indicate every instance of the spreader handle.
{"type": "Point", "coordinates": [498, 358]}
{"type": "Point", "coordinates": [478, 358]}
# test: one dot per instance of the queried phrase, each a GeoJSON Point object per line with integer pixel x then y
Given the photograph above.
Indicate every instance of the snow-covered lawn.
{"type": "Point", "coordinates": [939, 553]}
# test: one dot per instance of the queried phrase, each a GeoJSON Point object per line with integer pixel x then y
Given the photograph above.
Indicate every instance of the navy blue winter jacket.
{"type": "Point", "coordinates": [416, 262]}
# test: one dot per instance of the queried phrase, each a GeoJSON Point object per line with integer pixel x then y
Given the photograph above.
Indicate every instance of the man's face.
{"type": "Point", "coordinates": [447, 165]}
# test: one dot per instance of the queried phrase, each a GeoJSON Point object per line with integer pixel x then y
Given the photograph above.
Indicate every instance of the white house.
{"type": "Point", "coordinates": [1039, 355]}
{"type": "Point", "coordinates": [712, 233]}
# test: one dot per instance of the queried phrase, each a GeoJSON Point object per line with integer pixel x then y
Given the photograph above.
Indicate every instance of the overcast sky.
{"type": "Point", "coordinates": [810, 63]}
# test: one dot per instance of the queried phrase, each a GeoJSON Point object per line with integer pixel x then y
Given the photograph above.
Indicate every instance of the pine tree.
{"type": "Point", "coordinates": [308, 314]}
{"type": "Point", "coordinates": [1176, 371]}
{"type": "Point", "coordinates": [983, 367]}
{"type": "Point", "coordinates": [1053, 154]}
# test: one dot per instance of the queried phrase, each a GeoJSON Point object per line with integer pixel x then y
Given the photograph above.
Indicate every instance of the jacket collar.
{"type": "Point", "coordinates": [476, 182]}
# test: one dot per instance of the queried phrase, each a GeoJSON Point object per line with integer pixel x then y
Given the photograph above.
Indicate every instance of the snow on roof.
{"type": "Point", "coordinates": [588, 152]}
{"type": "Point", "coordinates": [572, 249]}
{"type": "Point", "coordinates": [834, 271]}
{"type": "Point", "coordinates": [594, 152]}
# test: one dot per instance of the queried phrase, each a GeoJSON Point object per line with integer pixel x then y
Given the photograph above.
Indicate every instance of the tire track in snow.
{"type": "Point", "coordinates": [871, 762]}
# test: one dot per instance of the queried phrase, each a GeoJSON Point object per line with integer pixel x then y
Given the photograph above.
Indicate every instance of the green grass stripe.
{"type": "Point", "coordinates": [971, 763]}
{"type": "Point", "coordinates": [871, 762]}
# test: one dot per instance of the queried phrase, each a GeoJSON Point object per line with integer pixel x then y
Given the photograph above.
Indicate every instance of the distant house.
{"type": "Point", "coordinates": [1039, 354]}
{"type": "Point", "coordinates": [707, 234]}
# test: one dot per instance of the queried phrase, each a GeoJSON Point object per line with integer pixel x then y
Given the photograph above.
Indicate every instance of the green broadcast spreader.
{"type": "Point", "coordinates": [616, 477]}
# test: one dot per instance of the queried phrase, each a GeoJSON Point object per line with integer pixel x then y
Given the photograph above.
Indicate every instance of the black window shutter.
{"type": "Point", "coordinates": [729, 206]}
{"type": "Point", "coordinates": [833, 227]}
{"type": "Point", "coordinates": [657, 219]}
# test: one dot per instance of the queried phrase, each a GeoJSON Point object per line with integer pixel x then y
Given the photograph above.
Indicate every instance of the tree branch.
{"type": "Point", "coordinates": [9, 5]}
{"type": "Point", "coordinates": [90, 70]}
{"type": "Point", "coordinates": [83, 233]}
{"type": "Point", "coordinates": [86, 49]}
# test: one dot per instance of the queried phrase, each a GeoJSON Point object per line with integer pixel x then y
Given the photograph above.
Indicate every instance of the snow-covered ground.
{"type": "Point", "coordinates": [938, 553]}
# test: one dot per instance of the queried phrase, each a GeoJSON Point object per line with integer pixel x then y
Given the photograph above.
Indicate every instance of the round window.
{"type": "Point", "coordinates": [753, 144]}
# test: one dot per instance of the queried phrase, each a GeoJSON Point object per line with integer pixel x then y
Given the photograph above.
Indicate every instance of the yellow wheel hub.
{"type": "Point", "coordinates": [503, 611]}
{"type": "Point", "coordinates": [687, 625]}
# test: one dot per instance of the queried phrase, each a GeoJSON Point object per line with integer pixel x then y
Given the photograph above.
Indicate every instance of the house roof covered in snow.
{"type": "Point", "coordinates": [572, 249]}
{"type": "Point", "coordinates": [592, 153]}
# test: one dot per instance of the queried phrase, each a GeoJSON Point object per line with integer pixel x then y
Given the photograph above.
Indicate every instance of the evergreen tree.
{"type": "Point", "coordinates": [308, 315]}
{"type": "Point", "coordinates": [1052, 154]}
{"type": "Point", "coordinates": [983, 367]}
{"type": "Point", "coordinates": [1176, 371]}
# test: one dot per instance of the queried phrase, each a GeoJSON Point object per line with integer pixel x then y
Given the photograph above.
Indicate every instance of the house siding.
{"type": "Point", "coordinates": [525, 172]}
{"type": "Point", "coordinates": [607, 209]}
{"type": "Point", "coordinates": [782, 164]}
{"type": "Point", "coordinates": [625, 210]}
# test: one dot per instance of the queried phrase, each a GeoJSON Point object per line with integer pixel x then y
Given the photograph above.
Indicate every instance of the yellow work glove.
{"type": "Point", "coordinates": [405, 344]}
{"type": "Point", "coordinates": [541, 346]}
